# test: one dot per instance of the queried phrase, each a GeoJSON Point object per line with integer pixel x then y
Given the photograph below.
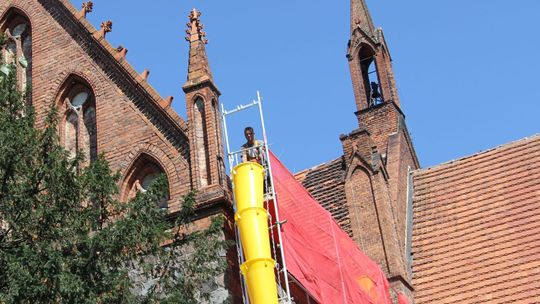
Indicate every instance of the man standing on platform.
{"type": "Point", "coordinates": [253, 149]}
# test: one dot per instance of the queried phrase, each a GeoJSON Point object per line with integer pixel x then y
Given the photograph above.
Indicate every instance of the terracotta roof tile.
{"type": "Point", "coordinates": [326, 184]}
{"type": "Point", "coordinates": [476, 233]}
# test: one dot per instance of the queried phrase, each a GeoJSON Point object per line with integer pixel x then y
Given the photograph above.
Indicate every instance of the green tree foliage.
{"type": "Point", "coordinates": [65, 238]}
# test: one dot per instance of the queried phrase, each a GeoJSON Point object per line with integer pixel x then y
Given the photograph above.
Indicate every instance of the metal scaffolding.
{"type": "Point", "coordinates": [270, 200]}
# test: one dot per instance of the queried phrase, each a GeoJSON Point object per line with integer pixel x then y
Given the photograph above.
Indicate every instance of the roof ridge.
{"type": "Point", "coordinates": [505, 145]}
{"type": "Point", "coordinates": [155, 96]}
{"type": "Point", "coordinates": [316, 166]}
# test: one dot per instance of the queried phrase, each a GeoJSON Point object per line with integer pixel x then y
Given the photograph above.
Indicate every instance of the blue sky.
{"type": "Point", "coordinates": [467, 71]}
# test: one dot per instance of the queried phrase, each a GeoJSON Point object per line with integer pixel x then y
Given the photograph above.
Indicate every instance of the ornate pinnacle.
{"type": "Point", "coordinates": [194, 15]}
{"type": "Point", "coordinates": [121, 52]}
{"type": "Point", "coordinates": [144, 75]}
{"type": "Point", "coordinates": [86, 8]}
{"type": "Point", "coordinates": [106, 27]}
{"type": "Point", "coordinates": [194, 31]}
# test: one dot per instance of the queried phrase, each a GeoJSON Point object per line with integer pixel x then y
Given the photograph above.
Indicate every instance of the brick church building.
{"type": "Point", "coordinates": [465, 231]}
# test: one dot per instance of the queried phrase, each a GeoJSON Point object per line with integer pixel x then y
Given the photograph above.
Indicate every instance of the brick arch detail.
{"type": "Point", "coordinates": [59, 83]}
{"type": "Point", "coordinates": [21, 8]}
{"type": "Point", "coordinates": [359, 167]}
{"type": "Point", "coordinates": [356, 162]}
{"type": "Point", "coordinates": [197, 95]}
{"type": "Point", "coordinates": [63, 84]}
{"type": "Point", "coordinates": [361, 42]}
{"type": "Point", "coordinates": [363, 212]}
{"type": "Point", "coordinates": [365, 45]}
{"type": "Point", "coordinates": [166, 161]}
{"type": "Point", "coordinates": [24, 75]}
{"type": "Point", "coordinates": [128, 174]}
{"type": "Point", "coordinates": [202, 156]}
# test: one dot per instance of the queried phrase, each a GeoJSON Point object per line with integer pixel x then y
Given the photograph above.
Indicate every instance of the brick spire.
{"type": "Point", "coordinates": [204, 122]}
{"type": "Point", "coordinates": [198, 67]}
{"type": "Point", "coordinates": [360, 17]}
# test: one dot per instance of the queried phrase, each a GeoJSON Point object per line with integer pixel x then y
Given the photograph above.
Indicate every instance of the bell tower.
{"type": "Point", "coordinates": [378, 155]}
{"type": "Point", "coordinates": [204, 120]}
{"type": "Point", "coordinates": [369, 61]}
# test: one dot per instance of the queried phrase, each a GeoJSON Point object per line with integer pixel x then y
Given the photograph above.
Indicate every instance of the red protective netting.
{"type": "Point", "coordinates": [402, 299]}
{"type": "Point", "coordinates": [318, 253]}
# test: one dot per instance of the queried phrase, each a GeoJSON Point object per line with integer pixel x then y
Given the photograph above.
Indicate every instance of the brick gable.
{"type": "Point", "coordinates": [128, 113]}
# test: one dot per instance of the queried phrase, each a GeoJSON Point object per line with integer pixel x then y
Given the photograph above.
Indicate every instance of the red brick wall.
{"type": "Point", "coordinates": [380, 121]}
{"type": "Point", "coordinates": [125, 116]}
{"type": "Point", "coordinates": [364, 215]}
{"type": "Point", "coordinates": [130, 121]}
{"type": "Point", "coordinates": [400, 157]}
{"type": "Point", "coordinates": [215, 170]}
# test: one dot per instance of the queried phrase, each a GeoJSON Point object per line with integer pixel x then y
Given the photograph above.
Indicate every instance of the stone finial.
{"type": "Point", "coordinates": [195, 27]}
{"type": "Point", "coordinates": [86, 8]}
{"type": "Point", "coordinates": [106, 27]}
{"type": "Point", "coordinates": [165, 103]}
{"type": "Point", "coordinates": [144, 74]}
{"type": "Point", "coordinates": [121, 53]}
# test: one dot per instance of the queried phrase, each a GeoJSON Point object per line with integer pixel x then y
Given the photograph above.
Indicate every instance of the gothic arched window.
{"type": "Point", "coordinates": [144, 171]}
{"type": "Point", "coordinates": [78, 127]}
{"type": "Point", "coordinates": [201, 141]}
{"type": "Point", "coordinates": [217, 126]}
{"type": "Point", "coordinates": [17, 49]}
{"type": "Point", "coordinates": [370, 76]}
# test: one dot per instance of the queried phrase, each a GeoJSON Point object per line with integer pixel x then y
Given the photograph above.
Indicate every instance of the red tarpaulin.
{"type": "Point", "coordinates": [402, 299]}
{"type": "Point", "coordinates": [318, 253]}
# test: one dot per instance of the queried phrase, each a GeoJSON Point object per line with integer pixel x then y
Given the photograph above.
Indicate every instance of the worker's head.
{"type": "Point", "coordinates": [249, 134]}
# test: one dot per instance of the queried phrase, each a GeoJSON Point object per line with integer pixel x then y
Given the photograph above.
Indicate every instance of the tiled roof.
{"type": "Point", "coordinates": [326, 183]}
{"type": "Point", "coordinates": [476, 232]}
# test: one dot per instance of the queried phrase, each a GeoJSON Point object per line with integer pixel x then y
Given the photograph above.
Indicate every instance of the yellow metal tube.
{"type": "Point", "coordinates": [252, 220]}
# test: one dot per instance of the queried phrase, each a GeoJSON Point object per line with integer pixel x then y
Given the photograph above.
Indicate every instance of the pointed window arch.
{"type": "Point", "coordinates": [363, 213]}
{"type": "Point", "coordinates": [370, 76]}
{"type": "Point", "coordinates": [17, 49]}
{"type": "Point", "coordinates": [219, 145]}
{"type": "Point", "coordinates": [78, 130]}
{"type": "Point", "coordinates": [142, 173]}
{"type": "Point", "coordinates": [201, 141]}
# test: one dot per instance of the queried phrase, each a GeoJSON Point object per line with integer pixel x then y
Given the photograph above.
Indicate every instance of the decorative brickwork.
{"type": "Point", "coordinates": [76, 104]}
{"type": "Point", "coordinates": [366, 191]}
{"type": "Point", "coordinates": [207, 166]}
{"type": "Point", "coordinates": [17, 30]}
{"type": "Point", "coordinates": [121, 120]}
{"type": "Point", "coordinates": [107, 107]}
{"type": "Point", "coordinates": [474, 219]}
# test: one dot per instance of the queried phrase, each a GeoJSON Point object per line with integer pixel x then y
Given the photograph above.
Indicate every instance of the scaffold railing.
{"type": "Point", "coordinates": [270, 201]}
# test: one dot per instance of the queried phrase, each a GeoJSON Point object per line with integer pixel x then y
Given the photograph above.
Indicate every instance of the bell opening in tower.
{"type": "Point", "coordinates": [370, 77]}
